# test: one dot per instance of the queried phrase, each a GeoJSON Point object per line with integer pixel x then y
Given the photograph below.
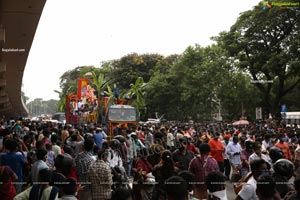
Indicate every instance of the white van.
{"type": "Point", "coordinates": [291, 118]}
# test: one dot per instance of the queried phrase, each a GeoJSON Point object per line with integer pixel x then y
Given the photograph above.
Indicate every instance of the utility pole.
{"type": "Point", "coordinates": [220, 117]}
{"type": "Point", "coordinates": [242, 111]}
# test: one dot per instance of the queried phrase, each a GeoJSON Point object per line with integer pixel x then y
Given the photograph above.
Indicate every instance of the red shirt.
{"type": "Point", "coordinates": [142, 136]}
{"type": "Point", "coordinates": [285, 149]}
{"type": "Point", "coordinates": [191, 147]}
{"type": "Point", "coordinates": [143, 165]}
{"type": "Point", "coordinates": [73, 174]}
{"type": "Point", "coordinates": [7, 189]}
{"type": "Point", "coordinates": [216, 149]}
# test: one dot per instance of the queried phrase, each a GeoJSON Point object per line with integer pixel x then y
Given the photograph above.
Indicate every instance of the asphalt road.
{"type": "Point", "coordinates": [230, 192]}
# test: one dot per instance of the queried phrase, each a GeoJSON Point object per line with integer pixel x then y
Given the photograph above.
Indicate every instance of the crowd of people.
{"type": "Point", "coordinates": [173, 161]}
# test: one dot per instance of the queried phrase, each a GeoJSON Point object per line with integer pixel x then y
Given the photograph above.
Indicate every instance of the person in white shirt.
{"type": "Point", "coordinates": [266, 143]}
{"type": "Point", "coordinates": [216, 185]}
{"type": "Point", "coordinates": [73, 107]}
{"type": "Point", "coordinates": [248, 191]}
{"type": "Point", "coordinates": [131, 152]}
{"type": "Point", "coordinates": [148, 138]}
{"type": "Point", "coordinates": [257, 154]}
{"type": "Point", "coordinates": [79, 106]}
{"type": "Point", "coordinates": [233, 150]}
{"type": "Point", "coordinates": [227, 166]}
{"type": "Point", "coordinates": [170, 140]}
{"type": "Point", "coordinates": [41, 190]}
{"type": "Point", "coordinates": [55, 147]}
{"type": "Point", "coordinates": [114, 158]}
{"type": "Point", "coordinates": [39, 164]}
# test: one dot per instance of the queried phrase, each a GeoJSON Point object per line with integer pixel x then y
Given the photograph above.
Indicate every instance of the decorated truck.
{"type": "Point", "coordinates": [85, 108]}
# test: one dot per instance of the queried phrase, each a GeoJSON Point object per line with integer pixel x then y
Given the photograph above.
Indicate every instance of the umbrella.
{"type": "Point", "coordinates": [240, 122]}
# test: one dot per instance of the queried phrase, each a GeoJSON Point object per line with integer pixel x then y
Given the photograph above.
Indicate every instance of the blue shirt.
{"type": "Point", "coordinates": [15, 160]}
{"type": "Point", "coordinates": [98, 138]}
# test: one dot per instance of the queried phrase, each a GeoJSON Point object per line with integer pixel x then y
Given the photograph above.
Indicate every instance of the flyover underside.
{"type": "Point", "coordinates": [18, 23]}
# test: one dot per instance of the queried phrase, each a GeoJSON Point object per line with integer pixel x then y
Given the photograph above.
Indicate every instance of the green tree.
{"type": "Point", "coordinates": [39, 107]}
{"type": "Point", "coordinates": [238, 95]}
{"type": "Point", "coordinates": [162, 90]}
{"type": "Point", "coordinates": [127, 69]}
{"type": "Point", "coordinates": [265, 44]}
{"type": "Point", "coordinates": [292, 99]}
{"type": "Point", "coordinates": [192, 85]}
{"type": "Point", "coordinates": [197, 74]}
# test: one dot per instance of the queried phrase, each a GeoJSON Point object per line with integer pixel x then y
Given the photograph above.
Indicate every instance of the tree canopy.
{"type": "Point", "coordinates": [254, 64]}
{"type": "Point", "coordinates": [265, 44]}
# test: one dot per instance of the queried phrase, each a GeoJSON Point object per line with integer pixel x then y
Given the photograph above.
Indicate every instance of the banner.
{"type": "Point", "coordinates": [71, 103]}
{"type": "Point", "coordinates": [81, 87]}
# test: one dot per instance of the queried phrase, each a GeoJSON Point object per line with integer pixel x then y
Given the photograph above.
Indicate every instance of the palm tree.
{"type": "Point", "coordinates": [97, 80]}
{"type": "Point", "coordinates": [68, 83]}
{"type": "Point", "coordinates": [71, 88]}
{"type": "Point", "coordinates": [137, 94]}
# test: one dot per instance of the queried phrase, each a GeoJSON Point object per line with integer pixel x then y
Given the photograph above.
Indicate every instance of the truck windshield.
{"type": "Point", "coordinates": [122, 114]}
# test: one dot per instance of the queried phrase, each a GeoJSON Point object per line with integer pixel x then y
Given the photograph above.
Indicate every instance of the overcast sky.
{"type": "Point", "coordinates": [73, 33]}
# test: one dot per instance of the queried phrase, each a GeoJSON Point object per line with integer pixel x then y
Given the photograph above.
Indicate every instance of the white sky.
{"type": "Point", "coordinates": [73, 33]}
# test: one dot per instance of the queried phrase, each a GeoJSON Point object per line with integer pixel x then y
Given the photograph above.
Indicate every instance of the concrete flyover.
{"type": "Point", "coordinates": [18, 23]}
